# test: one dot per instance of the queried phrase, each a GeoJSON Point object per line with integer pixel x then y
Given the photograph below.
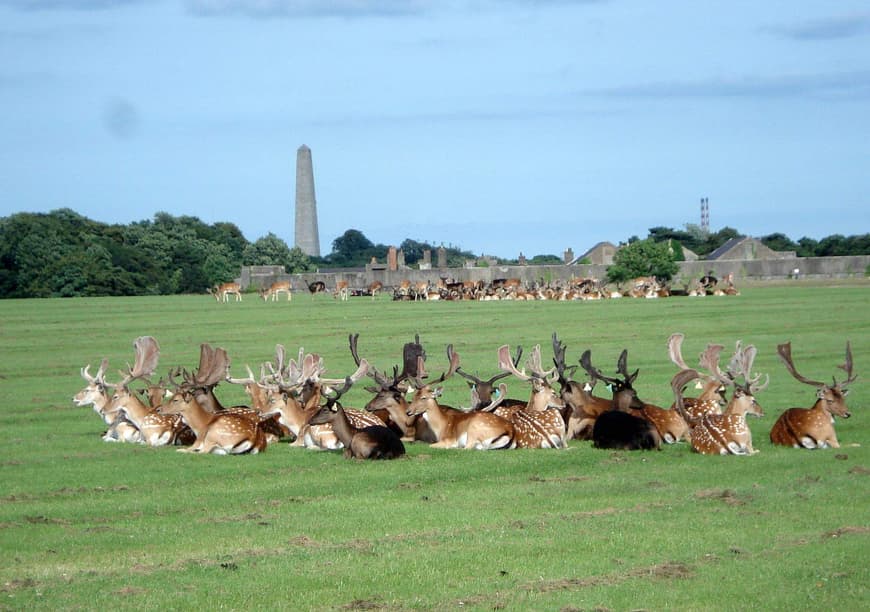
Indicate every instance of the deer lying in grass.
{"type": "Point", "coordinates": [224, 433]}
{"type": "Point", "coordinates": [455, 428]}
{"type": "Point", "coordinates": [96, 394]}
{"type": "Point", "coordinates": [370, 442]}
{"type": "Point", "coordinates": [619, 427]}
{"type": "Point", "coordinates": [156, 428]}
{"type": "Point", "coordinates": [813, 427]}
{"type": "Point", "coordinates": [712, 396]}
{"type": "Point", "coordinates": [538, 424]}
{"type": "Point", "coordinates": [726, 433]}
{"type": "Point", "coordinates": [581, 407]}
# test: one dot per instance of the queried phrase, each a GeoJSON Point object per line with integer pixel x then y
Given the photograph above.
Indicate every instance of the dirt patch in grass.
{"type": "Point", "coordinates": [559, 479]}
{"type": "Point", "coordinates": [859, 469]}
{"type": "Point", "coordinates": [365, 604]}
{"type": "Point", "coordinates": [845, 531]}
{"type": "Point", "coordinates": [16, 585]}
{"type": "Point", "coordinates": [670, 570]}
{"type": "Point", "coordinates": [727, 496]}
{"type": "Point", "coordinates": [130, 591]}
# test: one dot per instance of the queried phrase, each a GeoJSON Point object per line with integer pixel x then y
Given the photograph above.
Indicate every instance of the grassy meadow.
{"type": "Point", "coordinates": [86, 524]}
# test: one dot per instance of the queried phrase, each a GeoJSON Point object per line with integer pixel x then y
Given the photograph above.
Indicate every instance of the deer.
{"type": "Point", "coordinates": [813, 427]}
{"type": "Point", "coordinates": [342, 290]}
{"type": "Point", "coordinates": [225, 433]}
{"type": "Point", "coordinates": [375, 288]}
{"type": "Point", "coordinates": [618, 428]}
{"type": "Point", "coordinates": [156, 428]}
{"type": "Point", "coordinates": [482, 391]}
{"type": "Point", "coordinates": [316, 287]}
{"type": "Point", "coordinates": [538, 424]}
{"type": "Point", "coordinates": [390, 394]}
{"type": "Point", "coordinates": [455, 428]}
{"type": "Point", "coordinates": [96, 394]}
{"type": "Point", "coordinates": [712, 396]}
{"type": "Point", "coordinates": [582, 408]}
{"type": "Point", "coordinates": [222, 292]}
{"type": "Point", "coordinates": [370, 442]}
{"type": "Point", "coordinates": [275, 289]}
{"type": "Point", "coordinates": [726, 433]}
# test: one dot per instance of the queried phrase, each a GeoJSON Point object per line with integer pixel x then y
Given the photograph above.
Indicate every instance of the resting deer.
{"type": "Point", "coordinates": [224, 433]}
{"type": "Point", "coordinates": [619, 428]}
{"type": "Point", "coordinates": [96, 394]}
{"type": "Point", "coordinates": [455, 428]}
{"type": "Point", "coordinates": [370, 442]}
{"type": "Point", "coordinates": [538, 424]}
{"type": "Point", "coordinates": [813, 427]}
{"type": "Point", "coordinates": [726, 433]}
{"type": "Point", "coordinates": [581, 407]}
{"type": "Point", "coordinates": [712, 396]}
{"type": "Point", "coordinates": [390, 394]}
{"type": "Point", "coordinates": [157, 429]}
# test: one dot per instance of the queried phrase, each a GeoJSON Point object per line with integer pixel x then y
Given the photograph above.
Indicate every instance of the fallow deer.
{"type": "Point", "coordinates": [618, 428]}
{"type": "Point", "coordinates": [538, 424]}
{"type": "Point", "coordinates": [582, 408]}
{"type": "Point", "coordinates": [370, 442]}
{"type": "Point", "coordinates": [455, 428]}
{"type": "Point", "coordinates": [813, 427]}
{"type": "Point", "coordinates": [275, 289]}
{"type": "Point", "coordinates": [157, 429]}
{"type": "Point", "coordinates": [726, 433]}
{"type": "Point", "coordinates": [222, 292]}
{"type": "Point", "coordinates": [342, 290]}
{"type": "Point", "coordinates": [96, 394]}
{"type": "Point", "coordinates": [712, 396]}
{"type": "Point", "coordinates": [222, 433]}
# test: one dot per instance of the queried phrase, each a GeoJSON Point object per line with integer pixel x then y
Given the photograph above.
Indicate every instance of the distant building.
{"type": "Point", "coordinates": [746, 248]}
{"type": "Point", "coordinates": [601, 254]}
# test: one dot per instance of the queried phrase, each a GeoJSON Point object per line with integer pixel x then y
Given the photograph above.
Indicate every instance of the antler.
{"type": "Point", "coordinates": [709, 360]}
{"type": "Point", "coordinates": [595, 373]}
{"type": "Point", "coordinates": [214, 364]}
{"type": "Point", "coordinates": [452, 356]}
{"type": "Point", "coordinates": [847, 367]}
{"type": "Point", "coordinates": [741, 366]}
{"type": "Point", "coordinates": [678, 382]}
{"type": "Point", "coordinates": [478, 381]}
{"type": "Point", "coordinates": [559, 361]}
{"type": "Point", "coordinates": [622, 368]}
{"type": "Point", "coordinates": [784, 352]}
{"type": "Point", "coordinates": [675, 350]}
{"type": "Point", "coordinates": [147, 354]}
{"type": "Point", "coordinates": [100, 377]}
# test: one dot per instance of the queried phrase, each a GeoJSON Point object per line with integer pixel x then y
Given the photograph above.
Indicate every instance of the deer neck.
{"type": "Point", "coordinates": [342, 427]}
{"type": "Point", "coordinates": [197, 417]}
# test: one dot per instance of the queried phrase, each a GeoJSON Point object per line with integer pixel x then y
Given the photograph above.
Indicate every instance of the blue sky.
{"type": "Point", "coordinates": [497, 126]}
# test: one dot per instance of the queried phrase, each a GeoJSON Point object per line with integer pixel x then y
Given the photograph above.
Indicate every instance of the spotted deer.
{"type": "Point", "coordinates": [538, 424]}
{"type": "Point", "coordinates": [712, 397]}
{"type": "Point", "coordinates": [223, 291]}
{"type": "Point", "coordinates": [726, 433]}
{"type": "Point", "coordinates": [456, 428]}
{"type": "Point", "coordinates": [97, 394]}
{"type": "Point", "coordinates": [275, 289]}
{"type": "Point", "coordinates": [156, 428]}
{"type": "Point", "coordinates": [813, 427]}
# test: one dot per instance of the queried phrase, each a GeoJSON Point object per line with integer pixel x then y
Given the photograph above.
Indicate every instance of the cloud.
{"type": "Point", "coordinates": [67, 5]}
{"type": "Point", "coordinates": [842, 85]}
{"type": "Point", "coordinates": [308, 8]}
{"type": "Point", "coordinates": [832, 28]}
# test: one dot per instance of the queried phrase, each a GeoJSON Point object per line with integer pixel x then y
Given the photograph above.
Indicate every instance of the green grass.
{"type": "Point", "coordinates": [85, 524]}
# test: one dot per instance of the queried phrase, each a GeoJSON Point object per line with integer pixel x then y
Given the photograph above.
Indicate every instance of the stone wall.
{"type": "Point", "coordinates": [771, 269]}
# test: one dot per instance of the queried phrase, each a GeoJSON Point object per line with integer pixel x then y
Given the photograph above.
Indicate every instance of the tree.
{"type": "Point", "coordinates": [267, 251]}
{"type": "Point", "coordinates": [643, 258]}
{"type": "Point", "coordinates": [779, 242]}
{"type": "Point", "coordinates": [350, 244]}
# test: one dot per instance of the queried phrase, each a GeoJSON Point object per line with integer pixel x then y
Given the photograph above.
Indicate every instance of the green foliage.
{"type": "Point", "coordinates": [545, 260]}
{"type": "Point", "coordinates": [87, 524]}
{"type": "Point", "coordinates": [642, 258]}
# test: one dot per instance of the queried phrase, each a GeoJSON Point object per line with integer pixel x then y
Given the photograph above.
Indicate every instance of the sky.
{"type": "Point", "coordinates": [497, 126]}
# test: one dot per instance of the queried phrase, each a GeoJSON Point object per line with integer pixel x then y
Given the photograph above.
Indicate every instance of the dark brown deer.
{"type": "Point", "coordinates": [581, 406]}
{"type": "Point", "coordinates": [371, 442]}
{"type": "Point", "coordinates": [482, 391]}
{"type": "Point", "coordinates": [813, 427]}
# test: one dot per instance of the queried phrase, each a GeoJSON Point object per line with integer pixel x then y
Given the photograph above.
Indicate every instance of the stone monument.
{"type": "Point", "coordinates": [307, 237]}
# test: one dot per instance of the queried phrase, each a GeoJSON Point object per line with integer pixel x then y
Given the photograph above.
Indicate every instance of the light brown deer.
{"type": "Point", "coordinates": [726, 433]}
{"type": "Point", "coordinates": [223, 291]}
{"type": "Point", "coordinates": [97, 394]}
{"type": "Point", "coordinates": [275, 289]}
{"type": "Point", "coordinates": [156, 429]}
{"type": "Point", "coordinates": [342, 290]}
{"type": "Point", "coordinates": [813, 427]}
{"type": "Point", "coordinates": [538, 424]}
{"type": "Point", "coordinates": [224, 433]}
{"type": "Point", "coordinates": [455, 428]}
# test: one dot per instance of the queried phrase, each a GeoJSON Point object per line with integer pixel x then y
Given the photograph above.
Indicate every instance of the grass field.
{"type": "Point", "coordinates": [85, 524]}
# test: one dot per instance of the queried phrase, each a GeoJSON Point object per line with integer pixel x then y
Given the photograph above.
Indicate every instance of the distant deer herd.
{"type": "Point", "coordinates": [445, 289]}
{"type": "Point", "coordinates": [293, 400]}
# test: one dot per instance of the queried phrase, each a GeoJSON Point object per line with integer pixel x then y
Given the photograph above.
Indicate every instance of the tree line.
{"type": "Point", "coordinates": [64, 254]}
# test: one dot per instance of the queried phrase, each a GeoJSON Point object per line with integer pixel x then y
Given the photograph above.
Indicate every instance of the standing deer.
{"type": "Point", "coordinates": [222, 292]}
{"type": "Point", "coordinates": [726, 433]}
{"type": "Point", "coordinates": [275, 289]}
{"type": "Point", "coordinates": [813, 427]}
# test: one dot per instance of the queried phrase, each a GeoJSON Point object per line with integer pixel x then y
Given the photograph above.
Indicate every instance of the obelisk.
{"type": "Point", "coordinates": [307, 237]}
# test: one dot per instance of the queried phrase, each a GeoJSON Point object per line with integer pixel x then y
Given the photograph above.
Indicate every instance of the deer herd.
{"type": "Point", "coordinates": [293, 400]}
{"type": "Point", "coordinates": [574, 289]}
